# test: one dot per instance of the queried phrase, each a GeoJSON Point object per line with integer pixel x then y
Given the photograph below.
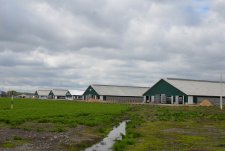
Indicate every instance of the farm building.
{"type": "Point", "coordinates": [26, 95]}
{"type": "Point", "coordinates": [58, 93]}
{"type": "Point", "coordinates": [115, 93]}
{"type": "Point", "coordinates": [43, 94]}
{"type": "Point", "coordinates": [74, 94]}
{"type": "Point", "coordinates": [184, 91]}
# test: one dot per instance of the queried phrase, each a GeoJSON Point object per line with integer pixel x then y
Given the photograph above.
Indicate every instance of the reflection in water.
{"type": "Point", "coordinates": [107, 143]}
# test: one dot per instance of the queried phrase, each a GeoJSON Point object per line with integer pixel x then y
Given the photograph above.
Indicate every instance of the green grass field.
{"type": "Point", "coordinates": [60, 116]}
{"type": "Point", "coordinates": [59, 112]}
{"type": "Point", "coordinates": [181, 128]}
{"type": "Point", "coordinates": [166, 128]}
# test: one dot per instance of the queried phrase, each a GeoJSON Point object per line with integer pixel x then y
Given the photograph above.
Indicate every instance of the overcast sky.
{"type": "Point", "coordinates": [71, 44]}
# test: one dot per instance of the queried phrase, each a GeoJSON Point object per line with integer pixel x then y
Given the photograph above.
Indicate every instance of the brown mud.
{"type": "Point", "coordinates": [72, 139]}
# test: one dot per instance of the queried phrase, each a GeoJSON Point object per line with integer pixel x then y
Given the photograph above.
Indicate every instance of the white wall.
{"type": "Point", "coordinates": [190, 100]}
{"type": "Point", "coordinates": [101, 97]}
{"type": "Point", "coordinates": [176, 99]}
{"type": "Point", "coordinates": [145, 99]}
{"type": "Point", "coordinates": [152, 99]}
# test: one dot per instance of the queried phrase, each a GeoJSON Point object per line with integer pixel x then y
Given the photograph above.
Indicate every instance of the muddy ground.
{"type": "Point", "coordinates": [14, 139]}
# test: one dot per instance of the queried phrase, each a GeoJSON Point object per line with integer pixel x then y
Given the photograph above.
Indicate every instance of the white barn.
{"type": "Point", "coordinates": [42, 94]}
{"type": "Point", "coordinates": [58, 93]}
{"type": "Point", "coordinates": [74, 94]}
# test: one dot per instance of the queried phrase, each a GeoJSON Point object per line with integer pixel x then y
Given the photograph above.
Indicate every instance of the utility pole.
{"type": "Point", "coordinates": [221, 91]}
{"type": "Point", "coordinates": [12, 100]}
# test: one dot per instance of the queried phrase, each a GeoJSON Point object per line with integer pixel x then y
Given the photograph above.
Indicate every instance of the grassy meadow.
{"type": "Point", "coordinates": [65, 113]}
{"type": "Point", "coordinates": [88, 121]}
{"type": "Point", "coordinates": [167, 128]}
{"type": "Point", "coordinates": [175, 128]}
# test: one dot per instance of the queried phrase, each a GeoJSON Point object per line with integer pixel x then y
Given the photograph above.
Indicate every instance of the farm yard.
{"type": "Point", "coordinates": [69, 125]}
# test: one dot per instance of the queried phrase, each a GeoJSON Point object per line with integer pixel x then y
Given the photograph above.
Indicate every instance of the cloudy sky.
{"type": "Point", "coordinates": [71, 44]}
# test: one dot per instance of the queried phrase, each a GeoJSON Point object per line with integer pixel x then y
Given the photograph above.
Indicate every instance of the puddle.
{"type": "Point", "coordinates": [107, 143]}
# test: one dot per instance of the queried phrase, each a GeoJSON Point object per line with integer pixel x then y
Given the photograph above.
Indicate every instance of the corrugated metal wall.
{"type": "Point", "coordinates": [125, 99]}
{"type": "Point", "coordinates": [214, 100]}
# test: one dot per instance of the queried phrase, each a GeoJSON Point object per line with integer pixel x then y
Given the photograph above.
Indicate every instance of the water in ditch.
{"type": "Point", "coordinates": [107, 143]}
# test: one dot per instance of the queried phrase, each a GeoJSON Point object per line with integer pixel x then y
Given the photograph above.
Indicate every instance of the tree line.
{"type": "Point", "coordinates": [10, 93]}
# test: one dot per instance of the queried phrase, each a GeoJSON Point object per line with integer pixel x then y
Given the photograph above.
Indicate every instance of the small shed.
{"type": "Point", "coordinates": [185, 91]}
{"type": "Point", "coordinates": [42, 94]}
{"type": "Point", "coordinates": [115, 93]}
{"type": "Point", "coordinates": [74, 94]}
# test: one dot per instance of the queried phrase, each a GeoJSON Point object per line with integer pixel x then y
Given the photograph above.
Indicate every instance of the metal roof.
{"type": "Point", "coordinates": [198, 87]}
{"type": "Point", "coordinates": [43, 92]}
{"type": "Point", "coordinates": [76, 92]}
{"type": "Point", "coordinates": [113, 90]}
{"type": "Point", "coordinates": [59, 92]}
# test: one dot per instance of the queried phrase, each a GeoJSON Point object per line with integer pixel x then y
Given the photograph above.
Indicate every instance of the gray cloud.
{"type": "Point", "coordinates": [64, 44]}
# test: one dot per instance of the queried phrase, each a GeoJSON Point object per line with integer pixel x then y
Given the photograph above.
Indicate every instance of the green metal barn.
{"type": "Point", "coordinates": [115, 93]}
{"type": "Point", "coordinates": [184, 91]}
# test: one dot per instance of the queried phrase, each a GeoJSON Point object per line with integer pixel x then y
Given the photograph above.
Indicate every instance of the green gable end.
{"type": "Point", "coordinates": [163, 87]}
{"type": "Point", "coordinates": [90, 91]}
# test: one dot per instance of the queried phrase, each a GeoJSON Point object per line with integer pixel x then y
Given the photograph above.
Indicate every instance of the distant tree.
{"type": "Point", "coordinates": [11, 93]}
{"type": "Point", "coordinates": [4, 94]}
